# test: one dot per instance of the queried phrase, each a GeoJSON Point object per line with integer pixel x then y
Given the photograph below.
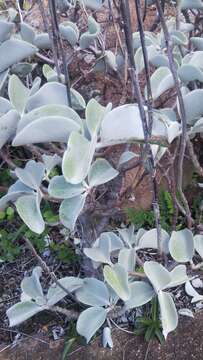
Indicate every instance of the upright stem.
{"type": "Point", "coordinates": [59, 46]}
{"type": "Point", "coordinates": [137, 94]}
{"type": "Point", "coordinates": [184, 135]}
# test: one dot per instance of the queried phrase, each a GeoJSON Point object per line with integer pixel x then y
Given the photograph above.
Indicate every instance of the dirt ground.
{"type": "Point", "coordinates": [186, 343]}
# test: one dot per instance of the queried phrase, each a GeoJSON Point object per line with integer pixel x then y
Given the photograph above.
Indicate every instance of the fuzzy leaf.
{"type": "Point", "coordinates": [93, 292]}
{"type": "Point", "coordinates": [169, 315]}
{"type": "Point", "coordinates": [117, 277]}
{"type": "Point", "coordinates": [161, 80]}
{"type": "Point", "coordinates": [101, 172]}
{"type": "Point", "coordinates": [127, 259]}
{"type": "Point", "coordinates": [28, 207]}
{"type": "Point", "coordinates": [77, 158]}
{"type": "Point", "coordinates": [56, 293]}
{"type": "Point", "coordinates": [8, 126]}
{"type": "Point", "coordinates": [157, 274]}
{"type": "Point", "coordinates": [181, 245]}
{"type": "Point", "coordinates": [70, 210]}
{"type": "Point", "coordinates": [140, 293]}
{"type": "Point", "coordinates": [22, 311]}
{"type": "Point", "coordinates": [89, 36]}
{"type": "Point", "coordinates": [18, 93]}
{"type": "Point", "coordinates": [46, 129]}
{"type": "Point", "coordinates": [31, 286]}
{"type": "Point", "coordinates": [47, 111]}
{"type": "Point", "coordinates": [90, 321]}
{"type": "Point", "coordinates": [198, 242]}
{"type": "Point", "coordinates": [5, 30]}
{"type": "Point", "coordinates": [61, 189]}
{"type": "Point", "coordinates": [32, 174]}
{"type": "Point", "coordinates": [17, 50]}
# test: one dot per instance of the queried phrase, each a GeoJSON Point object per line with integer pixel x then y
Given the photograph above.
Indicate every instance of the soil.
{"type": "Point", "coordinates": [185, 343]}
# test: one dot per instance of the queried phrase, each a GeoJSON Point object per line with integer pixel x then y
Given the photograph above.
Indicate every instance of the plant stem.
{"type": "Point", "coordinates": [184, 136]}
{"type": "Point", "coordinates": [137, 94]}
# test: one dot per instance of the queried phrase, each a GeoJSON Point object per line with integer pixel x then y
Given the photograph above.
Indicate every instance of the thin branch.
{"type": "Point", "coordinates": [137, 94]}
{"type": "Point", "coordinates": [184, 136]}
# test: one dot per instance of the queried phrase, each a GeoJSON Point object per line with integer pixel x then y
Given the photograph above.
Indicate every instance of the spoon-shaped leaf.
{"type": "Point", "coordinates": [117, 277]}
{"type": "Point", "coordinates": [90, 321]}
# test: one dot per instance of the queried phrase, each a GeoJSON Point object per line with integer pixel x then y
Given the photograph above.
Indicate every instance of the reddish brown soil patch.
{"type": "Point", "coordinates": [185, 343]}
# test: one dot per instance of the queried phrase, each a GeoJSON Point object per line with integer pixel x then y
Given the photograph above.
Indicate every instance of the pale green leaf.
{"type": "Point", "coordinates": [90, 321]}
{"type": "Point", "coordinates": [117, 277]}
{"type": "Point", "coordinates": [181, 245]}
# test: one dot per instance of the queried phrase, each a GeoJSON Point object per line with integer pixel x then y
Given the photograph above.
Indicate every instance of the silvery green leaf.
{"type": "Point", "coordinates": [178, 38]}
{"type": "Point", "coordinates": [158, 275]}
{"type": "Point", "coordinates": [106, 338]}
{"type": "Point", "coordinates": [61, 189]}
{"type": "Point", "coordinates": [35, 85]}
{"type": "Point", "coordinates": [128, 236]}
{"type": "Point", "coordinates": [90, 321]}
{"type": "Point", "coordinates": [127, 156]}
{"type": "Point", "coordinates": [117, 277]}
{"type": "Point", "coordinates": [189, 72]}
{"type": "Point", "coordinates": [196, 59]}
{"type": "Point", "coordinates": [94, 114]}
{"type": "Point", "coordinates": [159, 60]}
{"type": "Point", "coordinates": [47, 111]}
{"type": "Point", "coordinates": [5, 106]}
{"type": "Point", "coordinates": [89, 36]}
{"type": "Point", "coordinates": [181, 245]}
{"type": "Point", "coordinates": [56, 293]}
{"type": "Point", "coordinates": [32, 174]}
{"type": "Point", "coordinates": [93, 292]}
{"type": "Point", "coordinates": [115, 242]}
{"type": "Point", "coordinates": [127, 259]}
{"type": "Point", "coordinates": [93, 4]}
{"type": "Point", "coordinates": [42, 41]}
{"type": "Point", "coordinates": [169, 315]}
{"type": "Point", "coordinates": [48, 72]}
{"type": "Point", "coordinates": [69, 32]}
{"type": "Point", "coordinates": [161, 80]}
{"type": "Point", "coordinates": [49, 94]}
{"type": "Point", "coordinates": [110, 60]}
{"type": "Point", "coordinates": [193, 293]}
{"type": "Point", "coordinates": [17, 50]}
{"type": "Point", "coordinates": [8, 126]}
{"type": "Point", "coordinates": [3, 78]}
{"type": "Point", "coordinates": [28, 208]}
{"type": "Point", "coordinates": [193, 105]}
{"type": "Point", "coordinates": [124, 124]}
{"type": "Point", "coordinates": [50, 161]}
{"type": "Point", "coordinates": [150, 39]}
{"type": "Point", "coordinates": [140, 293]}
{"type": "Point", "coordinates": [70, 210]}
{"type": "Point", "coordinates": [5, 30]}
{"type": "Point", "coordinates": [139, 59]}
{"type": "Point", "coordinates": [101, 250]}
{"type": "Point", "coordinates": [22, 311]}
{"type": "Point", "coordinates": [101, 172]}
{"type": "Point", "coordinates": [31, 286]}
{"type": "Point", "coordinates": [78, 102]}
{"type": "Point", "coordinates": [197, 42]}
{"type": "Point", "coordinates": [14, 192]}
{"type": "Point", "coordinates": [191, 4]}
{"type": "Point", "coordinates": [27, 32]}
{"type": "Point", "coordinates": [178, 276]}
{"type": "Point", "coordinates": [78, 157]}
{"type": "Point", "coordinates": [149, 240]}
{"type": "Point", "coordinates": [186, 312]}
{"type": "Point", "coordinates": [198, 242]}
{"type": "Point", "coordinates": [18, 93]}
{"type": "Point", "coordinates": [46, 129]}
{"type": "Point", "coordinates": [198, 127]}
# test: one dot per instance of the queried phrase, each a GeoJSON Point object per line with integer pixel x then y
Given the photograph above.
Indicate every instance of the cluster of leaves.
{"type": "Point", "coordinates": [40, 114]}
